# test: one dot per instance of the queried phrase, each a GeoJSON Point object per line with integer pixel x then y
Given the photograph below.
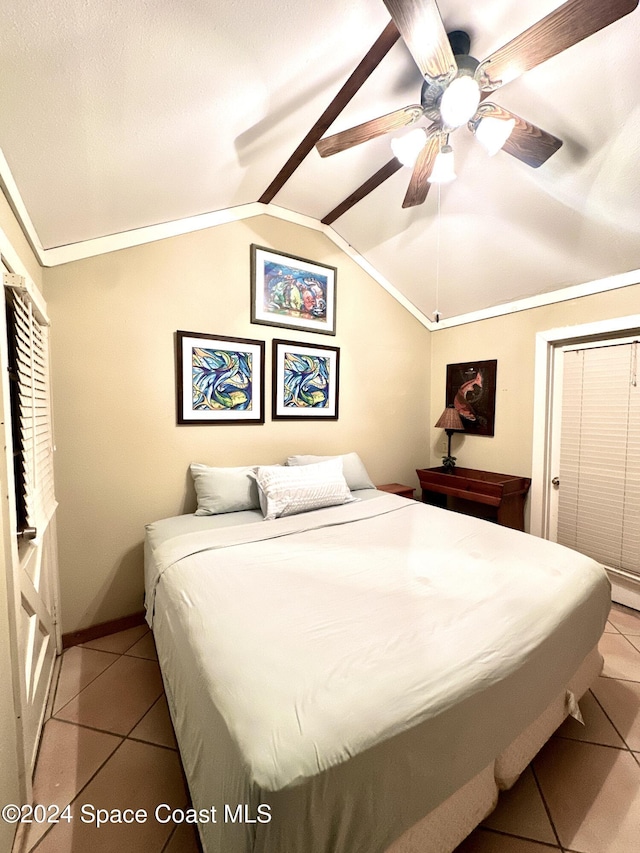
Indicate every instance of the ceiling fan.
{"type": "Point", "coordinates": [456, 85]}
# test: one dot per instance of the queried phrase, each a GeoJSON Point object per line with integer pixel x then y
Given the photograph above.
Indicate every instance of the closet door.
{"type": "Point", "coordinates": [29, 467]}
{"type": "Point", "coordinates": [599, 488]}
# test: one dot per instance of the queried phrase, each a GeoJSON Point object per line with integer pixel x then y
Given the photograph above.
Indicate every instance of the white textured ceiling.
{"type": "Point", "coordinates": [118, 115]}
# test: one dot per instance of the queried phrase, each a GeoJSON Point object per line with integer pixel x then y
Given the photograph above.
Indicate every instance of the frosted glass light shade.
{"type": "Point", "coordinates": [459, 101]}
{"type": "Point", "coordinates": [443, 169]}
{"type": "Point", "coordinates": [492, 133]}
{"type": "Point", "coordinates": [406, 148]}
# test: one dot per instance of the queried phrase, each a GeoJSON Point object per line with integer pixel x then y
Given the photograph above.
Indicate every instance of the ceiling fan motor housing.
{"type": "Point", "coordinates": [460, 42]}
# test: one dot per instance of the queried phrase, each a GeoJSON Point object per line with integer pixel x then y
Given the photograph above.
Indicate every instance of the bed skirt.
{"type": "Point", "coordinates": [443, 829]}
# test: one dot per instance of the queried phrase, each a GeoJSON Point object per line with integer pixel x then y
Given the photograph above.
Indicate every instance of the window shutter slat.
{"type": "Point", "coordinates": [33, 411]}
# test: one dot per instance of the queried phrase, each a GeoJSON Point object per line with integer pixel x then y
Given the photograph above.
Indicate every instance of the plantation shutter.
{"type": "Point", "coordinates": [599, 499]}
{"type": "Point", "coordinates": [33, 432]}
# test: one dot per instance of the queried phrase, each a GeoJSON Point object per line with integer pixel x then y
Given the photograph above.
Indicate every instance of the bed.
{"type": "Point", "coordinates": [363, 677]}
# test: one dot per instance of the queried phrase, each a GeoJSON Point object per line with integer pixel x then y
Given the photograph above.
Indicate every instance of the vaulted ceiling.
{"type": "Point", "coordinates": [115, 116]}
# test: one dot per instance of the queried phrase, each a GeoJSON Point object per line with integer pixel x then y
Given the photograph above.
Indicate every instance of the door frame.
{"type": "Point", "coordinates": [546, 424]}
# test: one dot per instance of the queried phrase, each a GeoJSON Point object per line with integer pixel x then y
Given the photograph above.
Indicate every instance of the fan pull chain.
{"type": "Point", "coordinates": [437, 311]}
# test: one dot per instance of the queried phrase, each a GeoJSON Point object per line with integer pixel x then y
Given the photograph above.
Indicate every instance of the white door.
{"type": "Point", "coordinates": [29, 514]}
{"type": "Point", "coordinates": [594, 497]}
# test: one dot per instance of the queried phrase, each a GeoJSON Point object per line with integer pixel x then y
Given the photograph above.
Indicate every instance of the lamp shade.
{"type": "Point", "coordinates": [450, 419]}
{"type": "Point", "coordinates": [443, 169]}
{"type": "Point", "coordinates": [459, 101]}
{"type": "Point", "coordinates": [492, 133]}
{"type": "Point", "coordinates": [406, 148]}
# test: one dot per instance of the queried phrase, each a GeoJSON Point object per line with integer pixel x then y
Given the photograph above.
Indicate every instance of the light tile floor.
{"type": "Point", "coordinates": [108, 741]}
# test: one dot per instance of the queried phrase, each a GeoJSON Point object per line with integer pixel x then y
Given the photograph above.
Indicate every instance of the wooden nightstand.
{"type": "Point", "coordinates": [484, 494]}
{"type": "Point", "coordinates": [397, 489]}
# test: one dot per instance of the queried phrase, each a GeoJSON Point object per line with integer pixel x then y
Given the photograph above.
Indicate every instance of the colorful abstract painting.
{"type": "Point", "coordinates": [292, 292]}
{"type": "Point", "coordinates": [305, 381]}
{"type": "Point", "coordinates": [220, 379]}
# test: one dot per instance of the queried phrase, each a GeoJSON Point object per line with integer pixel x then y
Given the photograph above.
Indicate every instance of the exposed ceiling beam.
{"type": "Point", "coordinates": [368, 186]}
{"type": "Point", "coordinates": [375, 55]}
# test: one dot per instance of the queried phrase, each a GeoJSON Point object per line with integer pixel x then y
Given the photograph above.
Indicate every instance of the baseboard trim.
{"type": "Point", "coordinates": [624, 590]}
{"type": "Point", "coordinates": [84, 635]}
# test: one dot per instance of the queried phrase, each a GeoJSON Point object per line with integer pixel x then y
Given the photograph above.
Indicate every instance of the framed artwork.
{"type": "Point", "coordinates": [220, 380]}
{"type": "Point", "coordinates": [292, 292]}
{"type": "Point", "coordinates": [471, 389]}
{"type": "Point", "coordinates": [305, 381]}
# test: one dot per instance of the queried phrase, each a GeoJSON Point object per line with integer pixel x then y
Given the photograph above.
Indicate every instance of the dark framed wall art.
{"type": "Point", "coordinates": [220, 380]}
{"type": "Point", "coordinates": [471, 389]}
{"type": "Point", "coordinates": [306, 380]}
{"type": "Point", "coordinates": [292, 292]}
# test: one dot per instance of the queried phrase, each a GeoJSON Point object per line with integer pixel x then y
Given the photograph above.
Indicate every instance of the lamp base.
{"type": "Point", "coordinates": [448, 463]}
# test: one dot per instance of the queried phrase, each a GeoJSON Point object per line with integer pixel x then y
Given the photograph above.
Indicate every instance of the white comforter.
{"type": "Point", "coordinates": [320, 635]}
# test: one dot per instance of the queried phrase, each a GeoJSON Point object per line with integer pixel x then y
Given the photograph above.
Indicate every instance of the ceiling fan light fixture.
{"type": "Point", "coordinates": [443, 171]}
{"type": "Point", "coordinates": [406, 148]}
{"type": "Point", "coordinates": [492, 133]}
{"type": "Point", "coordinates": [459, 101]}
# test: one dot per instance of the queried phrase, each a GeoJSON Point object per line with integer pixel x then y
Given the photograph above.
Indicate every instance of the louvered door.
{"type": "Point", "coordinates": [599, 473]}
{"type": "Point", "coordinates": [29, 442]}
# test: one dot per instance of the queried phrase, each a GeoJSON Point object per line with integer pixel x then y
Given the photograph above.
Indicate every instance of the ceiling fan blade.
{"type": "Point", "coordinates": [421, 27]}
{"type": "Point", "coordinates": [527, 143]}
{"type": "Point", "coordinates": [368, 130]}
{"type": "Point", "coordinates": [419, 184]}
{"type": "Point", "coordinates": [562, 28]}
{"type": "Point", "coordinates": [363, 190]}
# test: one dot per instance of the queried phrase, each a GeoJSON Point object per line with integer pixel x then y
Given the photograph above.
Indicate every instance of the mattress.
{"type": "Point", "coordinates": [384, 647]}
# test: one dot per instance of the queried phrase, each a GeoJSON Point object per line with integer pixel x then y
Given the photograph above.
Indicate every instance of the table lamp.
{"type": "Point", "coordinates": [450, 422]}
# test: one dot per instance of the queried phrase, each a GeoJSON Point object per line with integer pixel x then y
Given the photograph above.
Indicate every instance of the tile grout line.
{"type": "Point", "coordinates": [503, 834]}
{"type": "Point", "coordinates": [545, 804]}
{"type": "Point", "coordinates": [137, 723]}
{"type": "Point", "coordinates": [619, 733]}
{"type": "Point", "coordinates": [77, 725]}
{"type": "Point", "coordinates": [116, 734]}
{"type": "Point", "coordinates": [77, 794]}
{"type": "Point", "coordinates": [137, 640]}
{"type": "Point", "coordinates": [148, 711]}
{"type": "Point", "coordinates": [168, 841]}
{"type": "Point", "coordinates": [617, 678]}
{"type": "Point", "coordinates": [635, 648]}
{"type": "Point", "coordinates": [121, 737]}
{"type": "Point", "coordinates": [75, 695]}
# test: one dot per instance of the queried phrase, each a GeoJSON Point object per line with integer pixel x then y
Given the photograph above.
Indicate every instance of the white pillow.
{"type": "Point", "coordinates": [224, 489]}
{"type": "Point", "coordinates": [287, 491]}
{"type": "Point", "coordinates": [352, 467]}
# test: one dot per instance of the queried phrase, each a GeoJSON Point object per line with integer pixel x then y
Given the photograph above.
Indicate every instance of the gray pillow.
{"type": "Point", "coordinates": [352, 467]}
{"type": "Point", "coordinates": [224, 489]}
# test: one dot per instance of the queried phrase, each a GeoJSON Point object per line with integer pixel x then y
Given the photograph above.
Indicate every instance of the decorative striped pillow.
{"type": "Point", "coordinates": [288, 491]}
